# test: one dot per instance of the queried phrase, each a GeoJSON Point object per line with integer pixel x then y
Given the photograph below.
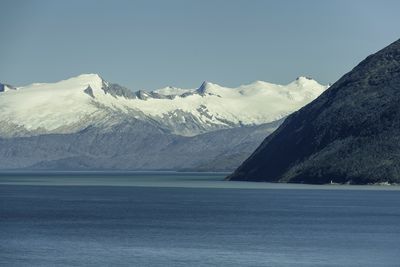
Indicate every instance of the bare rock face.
{"type": "Point", "coordinates": [350, 134]}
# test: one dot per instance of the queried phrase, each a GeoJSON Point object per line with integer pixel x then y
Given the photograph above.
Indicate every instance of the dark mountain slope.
{"type": "Point", "coordinates": [133, 145]}
{"type": "Point", "coordinates": [350, 134]}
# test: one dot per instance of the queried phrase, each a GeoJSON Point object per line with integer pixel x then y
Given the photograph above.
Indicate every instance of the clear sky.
{"type": "Point", "coordinates": [151, 44]}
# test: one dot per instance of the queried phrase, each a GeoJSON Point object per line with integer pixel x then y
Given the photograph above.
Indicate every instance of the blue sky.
{"type": "Point", "coordinates": [151, 44]}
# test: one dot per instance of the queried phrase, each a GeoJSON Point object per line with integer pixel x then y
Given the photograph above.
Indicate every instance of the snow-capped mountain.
{"type": "Point", "coordinates": [77, 103]}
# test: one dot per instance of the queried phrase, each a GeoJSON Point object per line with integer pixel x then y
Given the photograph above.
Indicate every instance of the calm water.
{"type": "Point", "coordinates": [148, 219]}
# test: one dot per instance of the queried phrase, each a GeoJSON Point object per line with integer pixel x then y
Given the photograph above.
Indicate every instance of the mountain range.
{"type": "Point", "coordinates": [88, 123]}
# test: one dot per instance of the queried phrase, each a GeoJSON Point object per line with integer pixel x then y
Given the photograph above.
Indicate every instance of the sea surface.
{"type": "Point", "coordinates": [193, 219]}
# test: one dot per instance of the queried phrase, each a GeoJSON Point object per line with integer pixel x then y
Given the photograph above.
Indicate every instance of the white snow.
{"type": "Point", "coordinates": [7, 88]}
{"type": "Point", "coordinates": [55, 107]}
{"type": "Point", "coordinates": [49, 105]}
{"type": "Point", "coordinates": [170, 90]}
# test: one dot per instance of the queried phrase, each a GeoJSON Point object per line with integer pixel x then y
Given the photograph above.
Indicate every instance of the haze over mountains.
{"type": "Point", "coordinates": [350, 134]}
{"type": "Point", "coordinates": [86, 122]}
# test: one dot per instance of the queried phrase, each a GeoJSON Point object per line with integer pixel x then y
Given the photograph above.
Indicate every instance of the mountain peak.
{"type": "Point", "coordinates": [204, 87]}
{"type": "Point", "coordinates": [207, 87]}
{"type": "Point", "coordinates": [88, 77]}
{"type": "Point", "coordinates": [6, 87]}
{"type": "Point", "coordinates": [84, 80]}
{"type": "Point", "coordinates": [303, 79]}
{"type": "Point", "coordinates": [305, 82]}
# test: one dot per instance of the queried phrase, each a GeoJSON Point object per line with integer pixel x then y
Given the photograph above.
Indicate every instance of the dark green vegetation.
{"type": "Point", "coordinates": [350, 134]}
